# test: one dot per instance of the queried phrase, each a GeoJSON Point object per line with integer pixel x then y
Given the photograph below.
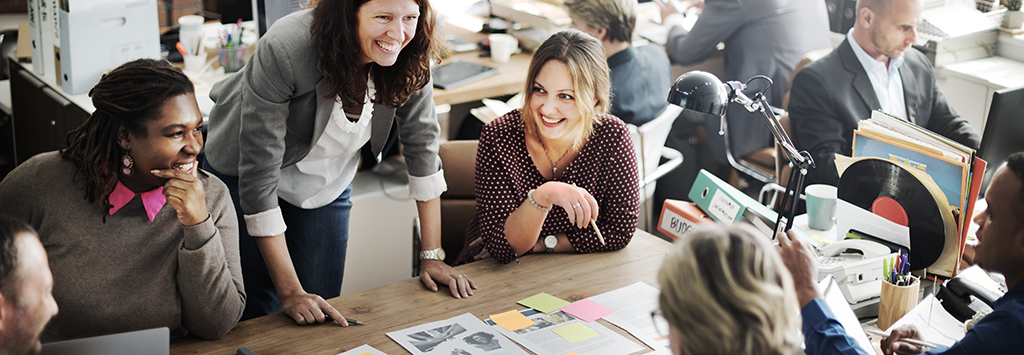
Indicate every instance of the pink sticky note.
{"type": "Point", "coordinates": [587, 310]}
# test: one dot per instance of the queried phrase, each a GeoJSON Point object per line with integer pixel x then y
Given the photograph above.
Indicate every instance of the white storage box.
{"type": "Point", "coordinates": [97, 35]}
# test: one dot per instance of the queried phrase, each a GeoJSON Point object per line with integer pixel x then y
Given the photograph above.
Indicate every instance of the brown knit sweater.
{"type": "Point", "coordinates": [128, 273]}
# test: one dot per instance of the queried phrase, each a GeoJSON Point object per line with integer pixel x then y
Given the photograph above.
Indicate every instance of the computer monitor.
{"type": "Point", "coordinates": [266, 12]}
{"type": "Point", "coordinates": [1002, 131]}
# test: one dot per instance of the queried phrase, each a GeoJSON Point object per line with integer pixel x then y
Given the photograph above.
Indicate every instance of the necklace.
{"type": "Point", "coordinates": [554, 165]}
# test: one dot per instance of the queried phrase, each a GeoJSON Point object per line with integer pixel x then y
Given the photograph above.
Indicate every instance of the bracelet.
{"type": "Point", "coordinates": [529, 196]}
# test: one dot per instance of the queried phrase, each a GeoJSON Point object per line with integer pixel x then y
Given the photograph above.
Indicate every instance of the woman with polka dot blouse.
{"type": "Point", "coordinates": [559, 174]}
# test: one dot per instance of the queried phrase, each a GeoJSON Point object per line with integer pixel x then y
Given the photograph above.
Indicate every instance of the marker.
{"type": "Point", "coordinates": [181, 49]}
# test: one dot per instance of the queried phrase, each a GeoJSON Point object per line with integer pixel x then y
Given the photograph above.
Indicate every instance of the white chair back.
{"type": "Point", "coordinates": [649, 145]}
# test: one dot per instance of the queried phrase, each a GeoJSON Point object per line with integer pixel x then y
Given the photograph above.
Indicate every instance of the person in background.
{"type": "Point", "coordinates": [286, 134]}
{"type": "Point", "coordinates": [560, 149]}
{"type": "Point", "coordinates": [641, 76]}
{"type": "Point", "coordinates": [761, 37]}
{"type": "Point", "coordinates": [138, 236]}
{"type": "Point", "coordinates": [873, 69]}
{"type": "Point", "coordinates": [724, 290]}
{"type": "Point", "coordinates": [1000, 249]}
{"type": "Point", "coordinates": [26, 301]}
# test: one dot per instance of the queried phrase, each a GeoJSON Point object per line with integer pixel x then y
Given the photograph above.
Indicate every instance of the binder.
{"type": "Point", "coordinates": [35, 36]}
{"type": "Point", "coordinates": [726, 204]}
{"type": "Point", "coordinates": [679, 218]}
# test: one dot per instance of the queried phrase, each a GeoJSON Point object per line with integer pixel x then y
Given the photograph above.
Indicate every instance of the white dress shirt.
{"type": "Point", "coordinates": [887, 82]}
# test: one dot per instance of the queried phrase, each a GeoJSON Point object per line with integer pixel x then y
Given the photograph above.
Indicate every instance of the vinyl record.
{"type": "Point", "coordinates": [875, 184]}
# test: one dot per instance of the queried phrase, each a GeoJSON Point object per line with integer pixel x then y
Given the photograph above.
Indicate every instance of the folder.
{"type": "Point", "coordinates": [681, 217]}
{"type": "Point", "coordinates": [726, 204]}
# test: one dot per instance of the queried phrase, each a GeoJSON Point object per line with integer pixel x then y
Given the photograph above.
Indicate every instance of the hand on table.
{"type": "Point", "coordinates": [185, 194]}
{"type": "Point", "coordinates": [579, 205]}
{"type": "Point", "coordinates": [802, 264]}
{"type": "Point", "coordinates": [433, 272]}
{"type": "Point", "coordinates": [484, 254]}
{"type": "Point", "coordinates": [891, 344]}
{"type": "Point", "coordinates": [306, 308]}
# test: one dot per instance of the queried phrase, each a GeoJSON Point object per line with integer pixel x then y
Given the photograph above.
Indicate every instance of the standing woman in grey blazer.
{"type": "Point", "coordinates": [286, 133]}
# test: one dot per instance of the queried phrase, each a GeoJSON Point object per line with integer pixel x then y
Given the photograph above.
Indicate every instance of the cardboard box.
{"type": "Point", "coordinates": [99, 35]}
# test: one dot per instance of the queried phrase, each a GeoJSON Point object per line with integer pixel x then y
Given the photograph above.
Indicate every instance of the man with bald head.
{"type": "Point", "coordinates": [1000, 249]}
{"type": "Point", "coordinates": [26, 302]}
{"type": "Point", "coordinates": [874, 68]}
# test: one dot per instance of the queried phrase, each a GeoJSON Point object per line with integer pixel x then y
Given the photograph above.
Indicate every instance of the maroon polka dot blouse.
{"type": "Point", "coordinates": [605, 167]}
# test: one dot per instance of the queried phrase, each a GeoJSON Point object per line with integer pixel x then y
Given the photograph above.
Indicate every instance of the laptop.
{"type": "Point", "coordinates": [150, 341]}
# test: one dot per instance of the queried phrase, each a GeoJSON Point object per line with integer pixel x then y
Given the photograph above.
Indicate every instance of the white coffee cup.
{"type": "Point", "coordinates": [821, 206]}
{"type": "Point", "coordinates": [502, 46]}
{"type": "Point", "coordinates": [194, 63]}
{"type": "Point", "coordinates": [190, 32]}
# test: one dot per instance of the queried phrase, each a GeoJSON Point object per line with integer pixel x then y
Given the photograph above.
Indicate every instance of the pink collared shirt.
{"type": "Point", "coordinates": [153, 200]}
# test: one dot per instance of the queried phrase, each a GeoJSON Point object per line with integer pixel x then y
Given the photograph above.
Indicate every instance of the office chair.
{"type": "Point", "coordinates": [649, 145]}
{"type": "Point", "coordinates": [458, 203]}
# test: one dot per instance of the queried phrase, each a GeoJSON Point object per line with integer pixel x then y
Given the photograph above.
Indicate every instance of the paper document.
{"type": "Point", "coordinates": [844, 314]}
{"type": "Point", "coordinates": [365, 349]}
{"type": "Point", "coordinates": [551, 337]}
{"type": "Point", "coordinates": [633, 305]}
{"type": "Point", "coordinates": [936, 325]}
{"type": "Point", "coordinates": [461, 335]}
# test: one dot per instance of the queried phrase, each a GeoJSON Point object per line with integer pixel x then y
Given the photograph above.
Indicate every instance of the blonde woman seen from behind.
{"type": "Point", "coordinates": [725, 290]}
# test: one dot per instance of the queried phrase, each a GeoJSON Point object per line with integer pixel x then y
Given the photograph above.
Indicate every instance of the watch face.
{"type": "Point", "coordinates": [550, 241]}
{"type": "Point", "coordinates": [440, 254]}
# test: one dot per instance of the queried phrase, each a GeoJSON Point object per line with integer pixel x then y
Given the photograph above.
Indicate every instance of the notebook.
{"type": "Point", "coordinates": [150, 341]}
{"type": "Point", "coordinates": [458, 73]}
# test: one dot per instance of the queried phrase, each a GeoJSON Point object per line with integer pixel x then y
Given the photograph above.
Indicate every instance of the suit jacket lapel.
{"type": "Point", "coordinates": [324, 106]}
{"type": "Point", "coordinates": [861, 82]}
{"type": "Point", "coordinates": [909, 98]}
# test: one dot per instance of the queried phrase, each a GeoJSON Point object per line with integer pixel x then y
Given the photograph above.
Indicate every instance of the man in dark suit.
{"type": "Point", "coordinates": [874, 68]}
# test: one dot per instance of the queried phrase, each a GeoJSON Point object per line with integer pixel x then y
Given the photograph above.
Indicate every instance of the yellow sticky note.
{"type": "Point", "coordinates": [576, 332]}
{"type": "Point", "coordinates": [544, 302]}
{"type": "Point", "coordinates": [572, 353]}
{"type": "Point", "coordinates": [512, 320]}
{"type": "Point", "coordinates": [365, 353]}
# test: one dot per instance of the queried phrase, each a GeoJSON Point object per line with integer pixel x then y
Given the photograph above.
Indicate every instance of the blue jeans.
{"type": "Point", "coordinates": [317, 240]}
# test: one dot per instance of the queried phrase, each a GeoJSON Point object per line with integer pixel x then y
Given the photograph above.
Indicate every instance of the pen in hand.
{"type": "Point", "coordinates": [920, 343]}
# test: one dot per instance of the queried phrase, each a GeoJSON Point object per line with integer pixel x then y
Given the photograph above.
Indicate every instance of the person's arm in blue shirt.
{"type": "Point", "coordinates": [823, 334]}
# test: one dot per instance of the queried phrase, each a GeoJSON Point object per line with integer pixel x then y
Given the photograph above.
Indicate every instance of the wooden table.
{"type": "Point", "coordinates": [408, 303]}
{"type": "Point", "coordinates": [509, 81]}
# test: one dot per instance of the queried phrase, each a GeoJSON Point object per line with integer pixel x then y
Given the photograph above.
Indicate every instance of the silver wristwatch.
{"type": "Point", "coordinates": [432, 254]}
{"type": "Point", "coordinates": [550, 242]}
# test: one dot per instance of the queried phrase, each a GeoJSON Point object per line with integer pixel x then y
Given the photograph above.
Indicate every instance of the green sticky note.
{"type": "Point", "coordinates": [544, 302]}
{"type": "Point", "coordinates": [575, 332]}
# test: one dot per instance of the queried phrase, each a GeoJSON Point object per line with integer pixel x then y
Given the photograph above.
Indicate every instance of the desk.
{"type": "Point", "coordinates": [407, 303]}
{"type": "Point", "coordinates": [509, 81]}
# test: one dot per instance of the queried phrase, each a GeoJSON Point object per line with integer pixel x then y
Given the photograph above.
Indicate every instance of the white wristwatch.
{"type": "Point", "coordinates": [550, 242]}
{"type": "Point", "coordinates": [432, 254]}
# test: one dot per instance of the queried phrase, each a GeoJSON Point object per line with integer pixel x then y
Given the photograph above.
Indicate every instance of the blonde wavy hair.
{"type": "Point", "coordinates": [725, 290]}
{"type": "Point", "coordinates": [584, 56]}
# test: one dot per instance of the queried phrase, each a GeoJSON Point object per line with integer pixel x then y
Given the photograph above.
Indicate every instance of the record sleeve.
{"type": "Point", "coordinates": [906, 196]}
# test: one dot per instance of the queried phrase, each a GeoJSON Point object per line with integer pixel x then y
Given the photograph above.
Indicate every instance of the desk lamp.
{"type": "Point", "coordinates": [703, 92]}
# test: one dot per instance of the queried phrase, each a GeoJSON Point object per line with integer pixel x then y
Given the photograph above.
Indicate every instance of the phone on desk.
{"type": "Point", "coordinates": [962, 297]}
{"type": "Point", "coordinates": [856, 264]}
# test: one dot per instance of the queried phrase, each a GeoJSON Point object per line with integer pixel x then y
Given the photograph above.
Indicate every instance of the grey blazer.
{"type": "Point", "coordinates": [832, 94]}
{"type": "Point", "coordinates": [269, 116]}
{"type": "Point", "coordinates": [765, 37]}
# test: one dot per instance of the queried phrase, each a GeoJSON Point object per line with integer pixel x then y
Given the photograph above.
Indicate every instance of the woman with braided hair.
{"type": "Point", "coordinates": [137, 236]}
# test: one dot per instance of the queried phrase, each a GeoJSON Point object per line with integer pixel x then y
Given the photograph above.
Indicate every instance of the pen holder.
{"type": "Point", "coordinates": [896, 301]}
{"type": "Point", "coordinates": [233, 58]}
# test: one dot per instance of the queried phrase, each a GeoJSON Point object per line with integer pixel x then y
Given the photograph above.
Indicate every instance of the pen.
{"type": "Point", "coordinates": [353, 321]}
{"type": "Point", "coordinates": [598, 231]}
{"type": "Point", "coordinates": [181, 49]}
{"type": "Point", "coordinates": [915, 342]}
